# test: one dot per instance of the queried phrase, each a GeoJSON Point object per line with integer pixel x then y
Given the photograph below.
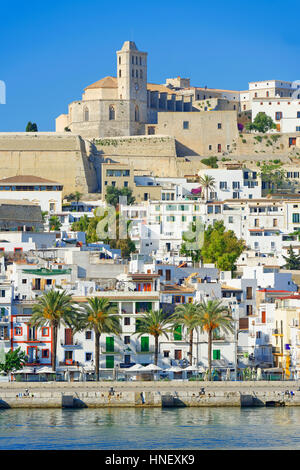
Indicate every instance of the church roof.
{"type": "Point", "coordinates": [106, 82]}
{"type": "Point", "coordinates": [112, 82]}
{"type": "Point", "coordinates": [129, 46]}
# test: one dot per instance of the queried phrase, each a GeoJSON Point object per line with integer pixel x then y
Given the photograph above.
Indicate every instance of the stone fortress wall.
{"type": "Point", "coordinates": [75, 163]}
{"type": "Point", "coordinates": [63, 158]}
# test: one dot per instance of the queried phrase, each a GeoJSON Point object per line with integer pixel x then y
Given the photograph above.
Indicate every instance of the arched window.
{"type": "Point", "coordinates": [120, 73]}
{"type": "Point", "coordinates": [86, 114]}
{"type": "Point", "coordinates": [112, 113]}
{"type": "Point", "coordinates": [120, 60]}
{"type": "Point", "coordinates": [137, 73]}
{"type": "Point", "coordinates": [141, 73]}
{"type": "Point", "coordinates": [136, 114]}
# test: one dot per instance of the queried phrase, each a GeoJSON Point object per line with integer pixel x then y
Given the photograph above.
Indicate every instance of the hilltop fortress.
{"type": "Point", "coordinates": [159, 130]}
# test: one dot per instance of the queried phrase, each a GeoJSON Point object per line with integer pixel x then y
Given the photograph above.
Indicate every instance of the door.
{"type": "Point", "coordinates": [68, 336]}
{"type": "Point", "coordinates": [69, 357]}
{"type": "Point", "coordinates": [178, 354]}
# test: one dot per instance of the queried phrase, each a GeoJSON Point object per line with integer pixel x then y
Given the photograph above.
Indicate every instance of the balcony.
{"type": "Point", "coordinates": [115, 351]}
{"type": "Point", "coordinates": [276, 332]}
{"type": "Point", "coordinates": [150, 351]}
{"type": "Point", "coordinates": [76, 345]}
{"type": "Point", "coordinates": [4, 319]}
{"type": "Point", "coordinates": [4, 338]}
{"type": "Point", "coordinates": [69, 362]}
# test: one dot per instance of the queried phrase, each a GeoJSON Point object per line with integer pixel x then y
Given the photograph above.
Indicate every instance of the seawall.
{"type": "Point", "coordinates": [148, 394]}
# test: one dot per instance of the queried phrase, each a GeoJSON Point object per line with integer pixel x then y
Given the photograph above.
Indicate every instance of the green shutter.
{"type": "Point", "coordinates": [216, 354]}
{"type": "Point", "coordinates": [110, 362]}
{"type": "Point", "coordinates": [145, 343]}
{"type": "Point", "coordinates": [110, 343]}
{"type": "Point", "coordinates": [178, 333]}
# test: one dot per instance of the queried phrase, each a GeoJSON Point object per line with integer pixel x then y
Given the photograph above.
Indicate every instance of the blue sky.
{"type": "Point", "coordinates": [51, 50]}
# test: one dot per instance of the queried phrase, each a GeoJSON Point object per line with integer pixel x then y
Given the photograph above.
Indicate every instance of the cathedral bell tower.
{"type": "Point", "coordinates": [132, 84]}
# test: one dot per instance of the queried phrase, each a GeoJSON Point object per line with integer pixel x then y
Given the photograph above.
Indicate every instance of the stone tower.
{"type": "Point", "coordinates": [132, 85]}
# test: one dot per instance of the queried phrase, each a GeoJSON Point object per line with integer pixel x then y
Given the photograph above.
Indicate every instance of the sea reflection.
{"type": "Point", "coordinates": [142, 428]}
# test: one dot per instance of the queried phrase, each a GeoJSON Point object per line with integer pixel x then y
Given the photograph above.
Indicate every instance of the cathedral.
{"type": "Point", "coordinates": [123, 105]}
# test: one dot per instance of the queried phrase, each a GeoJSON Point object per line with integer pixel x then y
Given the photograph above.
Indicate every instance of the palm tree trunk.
{"type": "Point", "coordinates": [54, 347]}
{"type": "Point", "coordinates": [209, 355]}
{"type": "Point", "coordinates": [156, 351]}
{"type": "Point", "coordinates": [97, 354]}
{"type": "Point", "coordinates": [191, 348]}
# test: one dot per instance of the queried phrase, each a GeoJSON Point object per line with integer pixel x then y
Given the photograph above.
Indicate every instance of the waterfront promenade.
{"type": "Point", "coordinates": [148, 394]}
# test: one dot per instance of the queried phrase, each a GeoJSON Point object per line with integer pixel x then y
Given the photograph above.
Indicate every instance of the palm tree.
{"type": "Point", "coordinates": [213, 315]}
{"type": "Point", "coordinates": [101, 317]}
{"type": "Point", "coordinates": [154, 323]}
{"type": "Point", "coordinates": [188, 316]}
{"type": "Point", "coordinates": [208, 182]}
{"type": "Point", "coordinates": [54, 308]}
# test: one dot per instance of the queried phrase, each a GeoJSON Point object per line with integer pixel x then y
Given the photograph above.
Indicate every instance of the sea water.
{"type": "Point", "coordinates": [151, 428]}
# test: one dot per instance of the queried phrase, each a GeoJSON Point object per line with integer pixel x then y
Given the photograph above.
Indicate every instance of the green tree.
{"type": "Point", "coordinates": [81, 225]}
{"type": "Point", "coordinates": [261, 123]}
{"type": "Point", "coordinates": [101, 317]}
{"type": "Point", "coordinates": [292, 260]}
{"type": "Point", "coordinates": [31, 127]}
{"type": "Point", "coordinates": [188, 240]}
{"type": "Point", "coordinates": [187, 315]}
{"type": "Point", "coordinates": [213, 315]}
{"type": "Point", "coordinates": [14, 361]}
{"type": "Point", "coordinates": [113, 193]}
{"type": "Point", "coordinates": [272, 175]}
{"type": "Point", "coordinates": [54, 308]}
{"type": "Point", "coordinates": [221, 247]}
{"type": "Point", "coordinates": [208, 183]}
{"type": "Point", "coordinates": [156, 324]}
{"type": "Point", "coordinates": [44, 213]}
{"type": "Point", "coordinates": [54, 223]}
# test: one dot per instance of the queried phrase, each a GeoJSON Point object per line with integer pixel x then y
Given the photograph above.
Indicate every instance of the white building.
{"type": "Point", "coordinates": [285, 112]}
{"type": "Point", "coordinates": [46, 193]}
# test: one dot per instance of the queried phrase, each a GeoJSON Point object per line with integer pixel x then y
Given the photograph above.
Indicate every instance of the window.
{"type": "Point", "coordinates": [249, 293]}
{"type": "Point", "coordinates": [18, 331]}
{"type": "Point", "coordinates": [166, 353]}
{"type": "Point", "coordinates": [86, 114]}
{"type": "Point", "coordinates": [136, 114]}
{"type": "Point", "coordinates": [110, 343]}
{"type": "Point", "coordinates": [145, 344]}
{"type": "Point", "coordinates": [112, 114]}
{"type": "Point", "coordinates": [45, 331]}
{"type": "Point", "coordinates": [88, 335]}
{"type": "Point", "coordinates": [185, 124]}
{"type": "Point", "coordinates": [127, 321]}
{"type": "Point", "coordinates": [219, 148]}
{"type": "Point", "coordinates": [45, 353]}
{"type": "Point", "coordinates": [219, 125]}
{"type": "Point", "coordinates": [88, 356]}
{"type": "Point", "coordinates": [223, 184]}
{"type": "Point", "coordinates": [216, 354]}
{"type": "Point", "coordinates": [278, 116]}
{"type": "Point", "coordinates": [178, 333]}
{"type": "Point", "coordinates": [126, 339]}
{"type": "Point", "coordinates": [235, 185]}
{"type": "Point", "coordinates": [296, 220]}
